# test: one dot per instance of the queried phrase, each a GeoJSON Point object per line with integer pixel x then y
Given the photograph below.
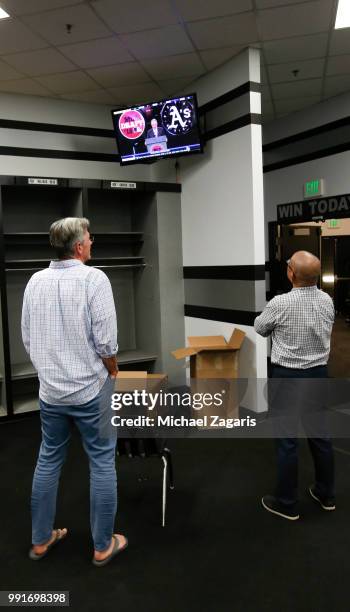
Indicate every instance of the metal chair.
{"type": "Point", "coordinates": [151, 447]}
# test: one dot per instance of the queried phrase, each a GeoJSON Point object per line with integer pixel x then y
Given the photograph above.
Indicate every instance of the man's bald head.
{"type": "Point", "coordinates": [306, 268]}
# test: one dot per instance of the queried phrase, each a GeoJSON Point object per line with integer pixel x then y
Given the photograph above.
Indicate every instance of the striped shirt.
{"type": "Point", "coordinates": [300, 323]}
{"type": "Point", "coordinates": [68, 324]}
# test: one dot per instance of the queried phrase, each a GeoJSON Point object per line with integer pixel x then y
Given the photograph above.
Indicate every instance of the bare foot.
{"type": "Point", "coordinates": [39, 549]}
{"type": "Point", "coordinates": [100, 556]}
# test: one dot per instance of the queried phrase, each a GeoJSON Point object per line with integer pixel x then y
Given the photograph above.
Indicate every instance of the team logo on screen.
{"type": "Point", "coordinates": [131, 124]}
{"type": "Point", "coordinates": [178, 117]}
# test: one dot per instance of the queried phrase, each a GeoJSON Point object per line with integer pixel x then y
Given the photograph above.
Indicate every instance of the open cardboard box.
{"type": "Point", "coordinates": [213, 366]}
{"type": "Point", "coordinates": [212, 356]}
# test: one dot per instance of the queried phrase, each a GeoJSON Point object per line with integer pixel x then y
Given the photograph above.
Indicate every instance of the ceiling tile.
{"type": "Point", "coordinates": [191, 10]}
{"type": "Point", "coordinates": [7, 72]}
{"type": "Point", "coordinates": [170, 40]}
{"type": "Point", "coordinates": [297, 89]}
{"type": "Point", "coordinates": [136, 15]}
{"type": "Point", "coordinates": [213, 33]}
{"type": "Point", "coordinates": [295, 20]}
{"type": "Point", "coordinates": [101, 52]}
{"type": "Point", "coordinates": [14, 36]}
{"type": "Point", "coordinates": [120, 74]}
{"type": "Point", "coordinates": [42, 61]}
{"type": "Point", "coordinates": [26, 7]}
{"type": "Point", "coordinates": [295, 104]}
{"type": "Point", "coordinates": [136, 94]}
{"type": "Point", "coordinates": [335, 85]}
{"type": "Point", "coordinates": [263, 4]}
{"type": "Point", "coordinates": [67, 82]}
{"type": "Point", "coordinates": [340, 42]}
{"type": "Point", "coordinates": [52, 25]}
{"type": "Point", "coordinates": [175, 66]}
{"type": "Point", "coordinates": [338, 64]}
{"type": "Point", "coordinates": [175, 86]}
{"type": "Point", "coordinates": [25, 86]}
{"type": "Point", "coordinates": [100, 96]}
{"type": "Point", "coordinates": [213, 58]}
{"type": "Point", "coordinates": [298, 48]}
{"type": "Point", "coordinates": [279, 73]}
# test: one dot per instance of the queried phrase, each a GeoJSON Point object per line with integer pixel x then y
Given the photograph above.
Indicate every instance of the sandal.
{"type": "Point", "coordinates": [60, 535]}
{"type": "Point", "coordinates": [117, 548]}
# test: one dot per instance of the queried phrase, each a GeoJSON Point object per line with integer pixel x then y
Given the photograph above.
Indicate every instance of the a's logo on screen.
{"type": "Point", "coordinates": [131, 124]}
{"type": "Point", "coordinates": [178, 117]}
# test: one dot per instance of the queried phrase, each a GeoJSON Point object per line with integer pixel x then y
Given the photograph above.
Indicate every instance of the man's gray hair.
{"type": "Point", "coordinates": [64, 233]}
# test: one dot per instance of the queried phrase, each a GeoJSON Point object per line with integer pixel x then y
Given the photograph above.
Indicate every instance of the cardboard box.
{"type": "Point", "coordinates": [212, 356]}
{"type": "Point", "coordinates": [130, 443]}
{"type": "Point", "coordinates": [131, 380]}
{"type": "Point", "coordinates": [213, 368]}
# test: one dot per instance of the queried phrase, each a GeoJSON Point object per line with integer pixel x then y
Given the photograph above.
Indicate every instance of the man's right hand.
{"type": "Point", "coordinates": [111, 365]}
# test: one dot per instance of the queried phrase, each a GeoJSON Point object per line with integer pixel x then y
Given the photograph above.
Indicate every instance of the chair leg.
{"type": "Point", "coordinates": [167, 453]}
{"type": "Point", "coordinates": [165, 469]}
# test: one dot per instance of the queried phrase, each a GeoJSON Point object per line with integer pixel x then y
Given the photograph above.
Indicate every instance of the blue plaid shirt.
{"type": "Point", "coordinates": [300, 323]}
{"type": "Point", "coordinates": [68, 324]}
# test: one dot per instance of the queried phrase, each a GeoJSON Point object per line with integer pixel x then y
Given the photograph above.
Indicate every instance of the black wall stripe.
{"type": "Point", "coordinates": [248, 119]}
{"type": "Point", "coordinates": [230, 95]}
{"type": "Point", "coordinates": [230, 126]}
{"type": "Point", "coordinates": [59, 154]}
{"type": "Point", "coordinates": [225, 272]}
{"type": "Point", "coordinates": [101, 133]}
{"type": "Point", "coordinates": [327, 127]}
{"type": "Point", "coordinates": [307, 157]}
{"type": "Point", "coordinates": [243, 317]}
{"type": "Point", "coordinates": [55, 128]}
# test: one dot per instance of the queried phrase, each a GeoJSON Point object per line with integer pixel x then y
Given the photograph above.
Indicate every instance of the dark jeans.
{"type": "Point", "coordinates": [300, 397]}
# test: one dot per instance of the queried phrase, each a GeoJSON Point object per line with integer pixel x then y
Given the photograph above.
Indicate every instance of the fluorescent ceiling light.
{"type": "Point", "coordinates": [3, 14]}
{"type": "Point", "coordinates": [343, 15]}
{"type": "Point", "coordinates": [328, 278]}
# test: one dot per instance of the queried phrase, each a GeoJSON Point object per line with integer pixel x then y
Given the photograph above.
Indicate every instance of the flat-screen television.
{"type": "Point", "coordinates": [159, 129]}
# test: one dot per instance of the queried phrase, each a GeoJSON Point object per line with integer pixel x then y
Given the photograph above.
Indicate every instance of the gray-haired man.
{"type": "Point", "coordinates": [69, 329]}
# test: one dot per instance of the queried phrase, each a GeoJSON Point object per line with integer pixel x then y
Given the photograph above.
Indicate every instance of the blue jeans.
{"type": "Point", "coordinates": [55, 427]}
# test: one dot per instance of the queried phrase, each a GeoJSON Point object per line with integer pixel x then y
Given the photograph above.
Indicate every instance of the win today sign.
{"type": "Point", "coordinates": [334, 207]}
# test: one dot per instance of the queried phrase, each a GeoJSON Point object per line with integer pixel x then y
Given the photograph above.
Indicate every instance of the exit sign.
{"type": "Point", "coordinates": [333, 223]}
{"type": "Point", "coordinates": [314, 189]}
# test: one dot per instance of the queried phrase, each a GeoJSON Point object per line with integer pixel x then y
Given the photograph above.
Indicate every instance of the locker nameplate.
{"type": "Point", "coordinates": [122, 185]}
{"type": "Point", "coordinates": [42, 181]}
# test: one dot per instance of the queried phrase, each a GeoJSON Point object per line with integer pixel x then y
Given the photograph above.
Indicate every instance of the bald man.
{"type": "Point", "coordinates": [300, 324]}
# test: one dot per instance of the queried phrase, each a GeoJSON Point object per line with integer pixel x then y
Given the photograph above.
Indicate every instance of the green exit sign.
{"type": "Point", "coordinates": [314, 189]}
{"type": "Point", "coordinates": [333, 223]}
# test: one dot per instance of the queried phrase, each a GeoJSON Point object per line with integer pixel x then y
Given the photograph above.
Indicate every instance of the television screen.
{"type": "Point", "coordinates": [159, 129]}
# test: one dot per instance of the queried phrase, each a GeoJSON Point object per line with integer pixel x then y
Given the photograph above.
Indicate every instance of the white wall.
{"type": "Point", "coordinates": [306, 119]}
{"type": "Point", "coordinates": [222, 201]}
{"type": "Point", "coordinates": [286, 185]}
{"type": "Point", "coordinates": [217, 210]}
{"type": "Point", "coordinates": [45, 110]}
{"type": "Point", "coordinates": [222, 206]}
